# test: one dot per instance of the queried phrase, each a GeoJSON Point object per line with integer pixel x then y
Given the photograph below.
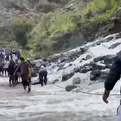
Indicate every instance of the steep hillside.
{"type": "Point", "coordinates": [45, 27]}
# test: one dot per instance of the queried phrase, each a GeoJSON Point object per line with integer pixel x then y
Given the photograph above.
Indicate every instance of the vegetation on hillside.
{"type": "Point", "coordinates": [21, 27]}
{"type": "Point", "coordinates": [39, 37]}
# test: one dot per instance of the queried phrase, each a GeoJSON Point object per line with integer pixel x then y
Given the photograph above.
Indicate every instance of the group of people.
{"type": "Point", "coordinates": [15, 70]}
{"type": "Point", "coordinates": [22, 70]}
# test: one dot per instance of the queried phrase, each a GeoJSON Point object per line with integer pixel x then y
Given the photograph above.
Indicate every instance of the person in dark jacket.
{"type": "Point", "coordinates": [17, 72]}
{"type": "Point", "coordinates": [24, 71]}
{"type": "Point", "coordinates": [11, 70]}
{"type": "Point", "coordinates": [42, 76]}
{"type": "Point", "coordinates": [113, 77]}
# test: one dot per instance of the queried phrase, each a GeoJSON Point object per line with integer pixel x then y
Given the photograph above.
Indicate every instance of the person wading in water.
{"type": "Point", "coordinates": [24, 71]}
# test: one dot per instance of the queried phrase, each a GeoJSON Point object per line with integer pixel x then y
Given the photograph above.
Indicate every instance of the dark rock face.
{"type": "Point", "coordinates": [65, 40]}
{"type": "Point", "coordinates": [70, 87]}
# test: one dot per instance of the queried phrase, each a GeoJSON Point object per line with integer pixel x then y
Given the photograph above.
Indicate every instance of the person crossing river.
{"type": "Point", "coordinates": [24, 72]}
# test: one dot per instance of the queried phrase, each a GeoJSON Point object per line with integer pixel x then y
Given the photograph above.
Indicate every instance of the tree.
{"type": "Point", "coordinates": [21, 27]}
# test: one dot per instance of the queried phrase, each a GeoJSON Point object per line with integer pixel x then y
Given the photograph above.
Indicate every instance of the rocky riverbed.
{"type": "Point", "coordinates": [71, 76]}
{"type": "Point", "coordinates": [52, 103]}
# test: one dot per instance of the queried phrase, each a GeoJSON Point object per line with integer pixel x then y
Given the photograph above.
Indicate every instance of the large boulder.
{"type": "Point", "coordinates": [109, 59]}
{"type": "Point", "coordinates": [76, 80]}
{"type": "Point", "coordinates": [70, 87]}
{"type": "Point", "coordinates": [67, 76]}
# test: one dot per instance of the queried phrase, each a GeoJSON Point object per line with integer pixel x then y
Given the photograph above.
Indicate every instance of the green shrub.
{"type": "Point", "coordinates": [21, 27]}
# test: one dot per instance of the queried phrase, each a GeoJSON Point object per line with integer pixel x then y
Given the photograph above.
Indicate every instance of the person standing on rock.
{"type": "Point", "coordinates": [24, 70]}
{"type": "Point", "coordinates": [112, 78]}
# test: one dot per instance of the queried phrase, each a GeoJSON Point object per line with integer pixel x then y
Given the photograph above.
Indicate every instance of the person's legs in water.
{"type": "Point", "coordinates": [29, 81]}
{"type": "Point", "coordinates": [5, 71]}
{"type": "Point", "coordinates": [10, 79]}
{"type": "Point", "coordinates": [45, 78]}
{"type": "Point", "coordinates": [25, 82]}
{"type": "Point", "coordinates": [41, 80]}
{"type": "Point", "coordinates": [2, 72]}
{"type": "Point", "coordinates": [16, 78]}
{"type": "Point", "coordinates": [13, 80]}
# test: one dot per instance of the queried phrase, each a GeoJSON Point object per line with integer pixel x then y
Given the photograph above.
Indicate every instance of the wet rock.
{"type": "Point", "coordinates": [118, 36]}
{"type": "Point", "coordinates": [94, 75]}
{"type": "Point", "coordinates": [60, 66]}
{"type": "Point", "coordinates": [67, 76]}
{"type": "Point", "coordinates": [109, 59]}
{"type": "Point", "coordinates": [99, 59]}
{"type": "Point", "coordinates": [85, 69]}
{"type": "Point", "coordinates": [97, 66]}
{"type": "Point", "coordinates": [114, 45]}
{"type": "Point", "coordinates": [109, 38]}
{"type": "Point", "coordinates": [55, 81]}
{"type": "Point", "coordinates": [76, 80]}
{"type": "Point", "coordinates": [70, 64]}
{"type": "Point", "coordinates": [64, 59]}
{"type": "Point", "coordinates": [83, 50]}
{"type": "Point", "coordinates": [88, 57]}
{"type": "Point", "coordinates": [76, 69]}
{"type": "Point", "coordinates": [70, 87]}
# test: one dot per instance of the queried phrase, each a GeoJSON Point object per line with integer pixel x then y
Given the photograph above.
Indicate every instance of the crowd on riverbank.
{"type": "Point", "coordinates": [19, 70]}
